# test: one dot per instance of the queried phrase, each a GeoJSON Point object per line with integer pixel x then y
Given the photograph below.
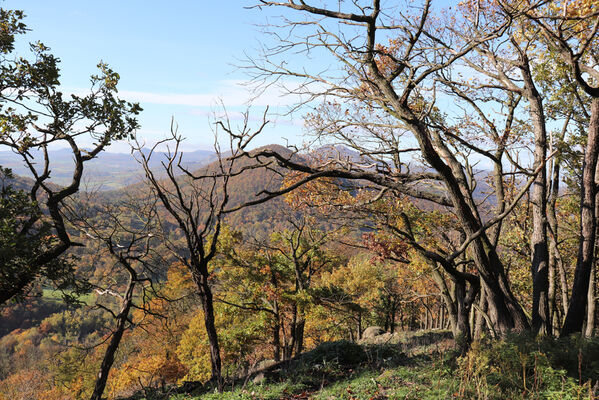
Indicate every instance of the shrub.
{"type": "Point", "coordinates": [524, 366]}
{"type": "Point", "coordinates": [379, 354]}
{"type": "Point", "coordinates": [343, 352]}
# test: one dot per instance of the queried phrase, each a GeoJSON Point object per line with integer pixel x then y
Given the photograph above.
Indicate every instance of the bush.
{"type": "Point", "coordinates": [525, 366]}
{"type": "Point", "coordinates": [343, 352]}
{"type": "Point", "coordinates": [387, 354]}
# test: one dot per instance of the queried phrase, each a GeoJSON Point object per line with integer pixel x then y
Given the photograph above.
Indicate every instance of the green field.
{"type": "Point", "coordinates": [57, 295]}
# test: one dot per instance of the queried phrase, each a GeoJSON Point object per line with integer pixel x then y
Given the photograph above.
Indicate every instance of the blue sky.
{"type": "Point", "coordinates": [176, 58]}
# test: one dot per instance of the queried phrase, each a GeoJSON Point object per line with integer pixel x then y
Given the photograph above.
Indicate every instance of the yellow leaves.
{"type": "Point", "coordinates": [179, 280]}
{"type": "Point", "coordinates": [578, 8]}
{"type": "Point", "coordinates": [194, 352]}
{"type": "Point", "coordinates": [150, 367]}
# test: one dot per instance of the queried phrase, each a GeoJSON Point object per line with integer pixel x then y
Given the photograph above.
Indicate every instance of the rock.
{"type": "Point", "coordinates": [372, 332]}
{"type": "Point", "coordinates": [263, 365]}
{"type": "Point", "coordinates": [259, 378]}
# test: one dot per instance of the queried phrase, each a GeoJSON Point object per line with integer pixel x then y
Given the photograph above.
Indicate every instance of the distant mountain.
{"type": "Point", "coordinates": [258, 220]}
{"type": "Point", "coordinates": [108, 171]}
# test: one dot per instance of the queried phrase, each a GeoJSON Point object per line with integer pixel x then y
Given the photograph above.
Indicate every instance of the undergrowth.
{"type": "Point", "coordinates": [518, 367]}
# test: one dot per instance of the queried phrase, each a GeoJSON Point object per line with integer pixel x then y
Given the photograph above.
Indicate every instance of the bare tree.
{"type": "Point", "coordinates": [195, 202]}
{"type": "Point", "coordinates": [126, 230]}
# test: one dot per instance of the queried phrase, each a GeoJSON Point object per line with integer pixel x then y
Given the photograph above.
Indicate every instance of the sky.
{"type": "Point", "coordinates": [178, 59]}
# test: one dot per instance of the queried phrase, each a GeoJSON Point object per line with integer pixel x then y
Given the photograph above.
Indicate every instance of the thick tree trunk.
{"type": "Point", "coordinates": [206, 298]}
{"type": "Point", "coordinates": [504, 309]}
{"type": "Point", "coordinates": [591, 301]}
{"type": "Point", "coordinates": [298, 339]}
{"type": "Point", "coordinates": [586, 250]}
{"type": "Point", "coordinates": [539, 248]}
{"type": "Point", "coordinates": [293, 331]}
{"type": "Point", "coordinates": [462, 335]}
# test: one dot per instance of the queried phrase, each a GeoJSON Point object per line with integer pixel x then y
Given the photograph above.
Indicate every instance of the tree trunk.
{"type": "Point", "coordinates": [293, 331]}
{"type": "Point", "coordinates": [276, 334]}
{"type": "Point", "coordinates": [586, 249]}
{"type": "Point", "coordinates": [591, 305]}
{"type": "Point", "coordinates": [539, 249]}
{"type": "Point", "coordinates": [504, 309]}
{"type": "Point", "coordinates": [480, 321]}
{"type": "Point", "coordinates": [117, 335]}
{"type": "Point", "coordinates": [205, 292]}
{"type": "Point", "coordinates": [551, 292]}
{"type": "Point", "coordinates": [462, 335]}
{"type": "Point", "coordinates": [590, 327]}
{"type": "Point", "coordinates": [555, 261]}
{"type": "Point", "coordinates": [359, 325]}
{"type": "Point", "coordinates": [459, 305]}
{"type": "Point", "coordinates": [446, 296]}
{"type": "Point", "coordinates": [276, 339]}
{"type": "Point", "coordinates": [286, 344]}
{"type": "Point", "coordinates": [299, 337]}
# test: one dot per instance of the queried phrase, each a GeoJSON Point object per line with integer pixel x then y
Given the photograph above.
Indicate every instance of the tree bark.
{"type": "Point", "coordinates": [479, 323]}
{"type": "Point", "coordinates": [276, 329]}
{"type": "Point", "coordinates": [586, 251]}
{"type": "Point", "coordinates": [463, 337]}
{"type": "Point", "coordinates": [539, 248]}
{"type": "Point", "coordinates": [200, 275]}
{"type": "Point", "coordinates": [293, 331]}
{"type": "Point", "coordinates": [299, 337]}
{"type": "Point", "coordinates": [590, 324]}
{"type": "Point", "coordinates": [276, 341]}
{"type": "Point", "coordinates": [555, 261]}
{"type": "Point", "coordinates": [359, 336]}
{"type": "Point", "coordinates": [591, 301]}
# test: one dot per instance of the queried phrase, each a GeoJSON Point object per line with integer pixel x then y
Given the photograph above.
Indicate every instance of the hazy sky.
{"type": "Point", "coordinates": [176, 58]}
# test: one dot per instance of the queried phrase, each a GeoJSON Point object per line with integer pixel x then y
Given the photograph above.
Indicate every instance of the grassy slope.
{"type": "Point", "coordinates": [421, 377]}
{"type": "Point", "coordinates": [416, 367]}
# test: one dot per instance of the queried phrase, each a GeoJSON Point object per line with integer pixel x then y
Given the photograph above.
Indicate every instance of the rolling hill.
{"type": "Point", "coordinates": [108, 171]}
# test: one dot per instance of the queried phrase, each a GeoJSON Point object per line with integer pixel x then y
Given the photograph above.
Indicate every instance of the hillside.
{"type": "Point", "coordinates": [108, 171]}
{"type": "Point", "coordinates": [409, 365]}
{"type": "Point", "coordinates": [258, 220]}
